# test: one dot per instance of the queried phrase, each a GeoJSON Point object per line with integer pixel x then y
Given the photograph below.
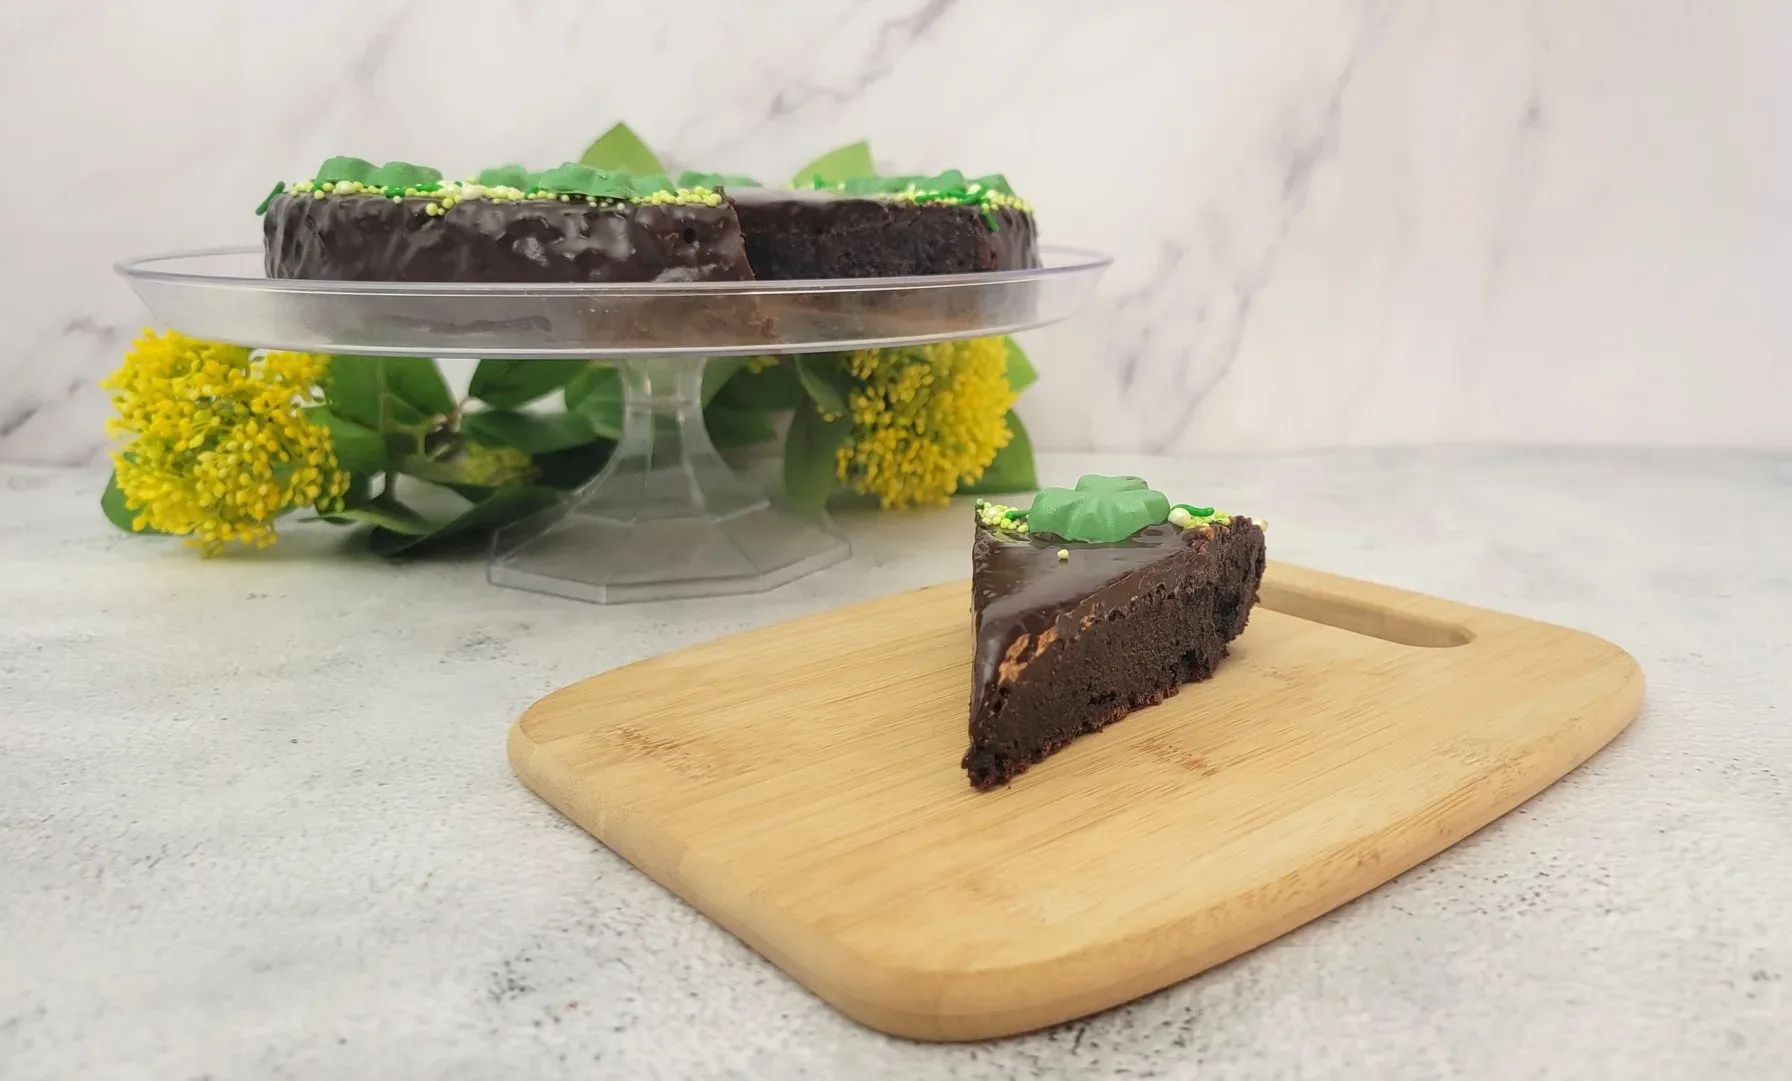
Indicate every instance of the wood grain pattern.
{"type": "Point", "coordinates": [800, 785]}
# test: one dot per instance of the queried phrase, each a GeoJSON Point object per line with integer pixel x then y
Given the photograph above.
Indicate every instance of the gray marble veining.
{"type": "Point", "coordinates": [1337, 222]}
{"type": "Point", "coordinates": [256, 820]}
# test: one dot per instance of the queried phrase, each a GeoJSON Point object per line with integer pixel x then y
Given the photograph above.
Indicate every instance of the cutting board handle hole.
{"type": "Point", "coordinates": [1358, 617]}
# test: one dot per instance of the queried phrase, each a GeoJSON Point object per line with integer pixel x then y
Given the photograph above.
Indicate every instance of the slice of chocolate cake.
{"type": "Point", "coordinates": [404, 223]}
{"type": "Point", "coordinates": [886, 227]}
{"type": "Point", "coordinates": [1092, 603]}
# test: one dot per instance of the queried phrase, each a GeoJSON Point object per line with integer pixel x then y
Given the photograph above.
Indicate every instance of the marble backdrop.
{"type": "Point", "coordinates": [1336, 221]}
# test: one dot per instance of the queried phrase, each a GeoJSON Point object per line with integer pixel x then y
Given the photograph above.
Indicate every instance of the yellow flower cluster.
{"type": "Point", "coordinates": [219, 443]}
{"type": "Point", "coordinates": [925, 419]}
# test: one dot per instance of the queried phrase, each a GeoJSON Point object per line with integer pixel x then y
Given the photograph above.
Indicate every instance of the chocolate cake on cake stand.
{"type": "Point", "coordinates": [666, 517]}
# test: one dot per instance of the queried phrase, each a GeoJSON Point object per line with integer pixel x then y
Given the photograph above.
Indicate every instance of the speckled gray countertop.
{"type": "Point", "coordinates": [256, 819]}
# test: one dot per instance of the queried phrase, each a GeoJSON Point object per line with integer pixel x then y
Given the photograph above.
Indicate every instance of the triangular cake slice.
{"type": "Point", "coordinates": [1092, 603]}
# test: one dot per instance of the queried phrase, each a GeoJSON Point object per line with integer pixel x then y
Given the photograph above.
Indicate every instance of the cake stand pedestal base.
{"type": "Point", "coordinates": [667, 517]}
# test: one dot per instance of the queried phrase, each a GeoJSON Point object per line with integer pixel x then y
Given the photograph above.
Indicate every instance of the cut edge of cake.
{"type": "Point", "coordinates": [1074, 632]}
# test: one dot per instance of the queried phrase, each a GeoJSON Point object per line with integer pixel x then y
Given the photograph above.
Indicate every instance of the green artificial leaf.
{"type": "Point", "coordinates": [596, 395]}
{"type": "Point", "coordinates": [1012, 469]}
{"type": "Point", "coordinates": [826, 380]}
{"type": "Point", "coordinates": [571, 468]}
{"type": "Point", "coordinates": [1099, 509]}
{"type": "Point", "coordinates": [360, 489]}
{"type": "Point", "coordinates": [112, 503]}
{"type": "Point", "coordinates": [387, 393]}
{"type": "Point", "coordinates": [512, 384]}
{"type": "Point", "coordinates": [717, 373]}
{"type": "Point", "coordinates": [503, 507]}
{"type": "Point", "coordinates": [768, 390]}
{"type": "Point", "coordinates": [621, 149]}
{"type": "Point", "coordinates": [836, 167]}
{"type": "Point", "coordinates": [809, 476]}
{"type": "Point", "coordinates": [357, 391]}
{"type": "Point", "coordinates": [531, 433]}
{"type": "Point", "coordinates": [358, 449]}
{"type": "Point", "coordinates": [418, 382]}
{"type": "Point", "coordinates": [1021, 373]}
{"type": "Point", "coordinates": [730, 428]}
{"type": "Point", "coordinates": [450, 474]}
{"type": "Point", "coordinates": [386, 513]}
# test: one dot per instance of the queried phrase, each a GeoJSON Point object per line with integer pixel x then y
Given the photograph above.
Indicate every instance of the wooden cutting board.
{"type": "Point", "coordinates": [800, 785]}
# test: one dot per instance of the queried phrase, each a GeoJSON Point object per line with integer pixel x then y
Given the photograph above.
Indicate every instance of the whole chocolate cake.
{"type": "Point", "coordinates": [1092, 603]}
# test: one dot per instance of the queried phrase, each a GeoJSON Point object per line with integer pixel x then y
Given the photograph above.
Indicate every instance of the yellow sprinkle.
{"type": "Point", "coordinates": [1063, 554]}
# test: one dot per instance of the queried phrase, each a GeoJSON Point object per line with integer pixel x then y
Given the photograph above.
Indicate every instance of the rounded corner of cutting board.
{"type": "Point", "coordinates": [1625, 676]}
{"type": "Point", "coordinates": [523, 745]}
{"type": "Point", "coordinates": [952, 1005]}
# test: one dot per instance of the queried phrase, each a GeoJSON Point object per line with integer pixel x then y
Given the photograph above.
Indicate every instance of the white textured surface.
{"type": "Point", "coordinates": [256, 820]}
{"type": "Point", "coordinates": [1337, 221]}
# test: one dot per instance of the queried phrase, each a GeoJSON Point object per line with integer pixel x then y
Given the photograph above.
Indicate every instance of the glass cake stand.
{"type": "Point", "coordinates": [666, 517]}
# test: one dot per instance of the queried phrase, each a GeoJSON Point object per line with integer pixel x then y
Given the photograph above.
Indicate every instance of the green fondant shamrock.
{"type": "Point", "coordinates": [575, 179]}
{"type": "Point", "coordinates": [650, 183]}
{"type": "Point", "coordinates": [337, 169]}
{"type": "Point", "coordinates": [402, 174]}
{"type": "Point", "coordinates": [1100, 509]}
{"type": "Point", "coordinates": [505, 176]}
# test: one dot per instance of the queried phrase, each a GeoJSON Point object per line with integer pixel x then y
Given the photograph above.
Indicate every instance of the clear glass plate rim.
{"type": "Point", "coordinates": [1075, 261]}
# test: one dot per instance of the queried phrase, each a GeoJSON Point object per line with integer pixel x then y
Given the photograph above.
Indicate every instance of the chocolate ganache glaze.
{"type": "Point", "coordinates": [375, 238]}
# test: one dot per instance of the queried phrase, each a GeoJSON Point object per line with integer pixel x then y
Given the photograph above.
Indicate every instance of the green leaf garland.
{"type": "Point", "coordinates": [112, 505]}
{"type": "Point", "coordinates": [809, 474]}
{"type": "Point", "coordinates": [504, 507]}
{"type": "Point", "coordinates": [1012, 468]}
{"type": "Point", "coordinates": [358, 449]}
{"type": "Point", "coordinates": [1021, 373]}
{"type": "Point", "coordinates": [827, 382]}
{"type": "Point", "coordinates": [768, 390]}
{"type": "Point", "coordinates": [531, 433]}
{"type": "Point", "coordinates": [512, 384]}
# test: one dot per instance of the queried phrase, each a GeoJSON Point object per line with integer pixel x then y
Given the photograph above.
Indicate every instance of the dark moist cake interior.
{"type": "Point", "coordinates": [1066, 647]}
{"type": "Point", "coordinates": [792, 235]}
